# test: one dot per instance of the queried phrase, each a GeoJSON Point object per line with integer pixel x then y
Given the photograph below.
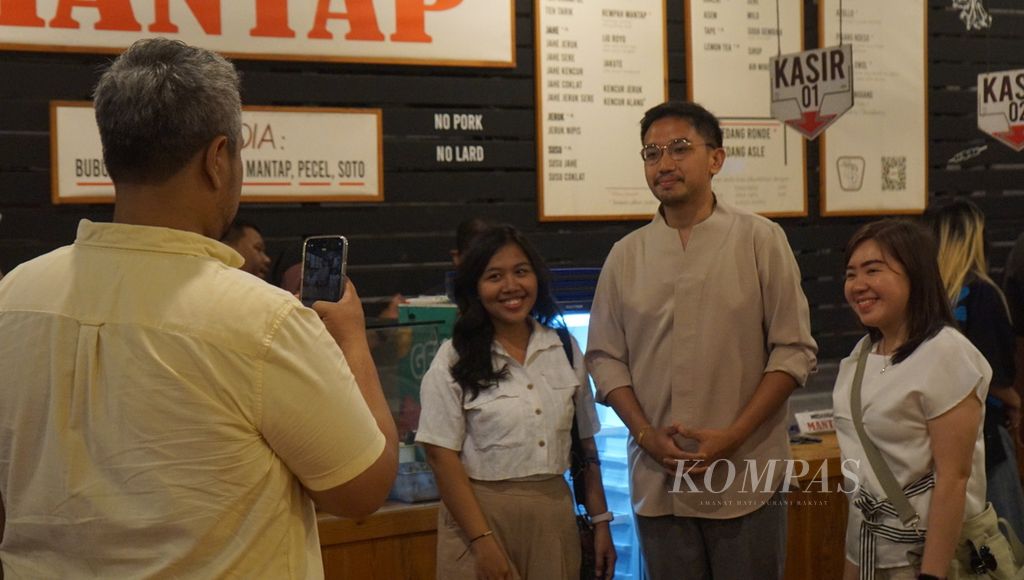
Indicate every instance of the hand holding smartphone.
{"type": "Point", "coordinates": [324, 259]}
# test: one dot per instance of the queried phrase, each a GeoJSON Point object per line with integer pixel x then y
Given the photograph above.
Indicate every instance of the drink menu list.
{"type": "Point", "coordinates": [729, 45]}
{"type": "Point", "coordinates": [600, 65]}
{"type": "Point", "coordinates": [874, 159]}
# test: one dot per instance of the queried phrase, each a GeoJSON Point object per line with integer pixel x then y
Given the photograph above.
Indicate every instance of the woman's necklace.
{"type": "Point", "coordinates": [888, 359]}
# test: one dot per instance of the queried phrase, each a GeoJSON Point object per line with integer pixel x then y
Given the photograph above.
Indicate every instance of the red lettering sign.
{"type": "Point", "coordinates": [114, 15]}
{"type": "Point", "coordinates": [272, 19]}
{"type": "Point", "coordinates": [361, 17]}
{"type": "Point", "coordinates": [19, 13]}
{"type": "Point", "coordinates": [207, 13]}
{"type": "Point", "coordinates": [411, 15]}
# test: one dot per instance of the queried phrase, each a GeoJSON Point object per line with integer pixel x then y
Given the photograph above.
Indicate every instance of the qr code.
{"type": "Point", "coordinates": [894, 173]}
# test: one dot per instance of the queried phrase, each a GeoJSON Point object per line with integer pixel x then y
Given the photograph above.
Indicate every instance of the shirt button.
{"type": "Point", "coordinates": [530, 386]}
{"type": "Point", "coordinates": [541, 444]}
{"type": "Point", "coordinates": [537, 411]}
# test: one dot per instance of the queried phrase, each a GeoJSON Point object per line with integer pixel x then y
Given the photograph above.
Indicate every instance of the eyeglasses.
{"type": "Point", "coordinates": [677, 150]}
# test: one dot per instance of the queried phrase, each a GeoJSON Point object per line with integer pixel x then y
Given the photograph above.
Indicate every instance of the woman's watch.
{"type": "Point", "coordinates": [605, 517]}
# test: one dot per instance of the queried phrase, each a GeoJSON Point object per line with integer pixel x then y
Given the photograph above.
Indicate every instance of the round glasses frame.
{"type": "Point", "coordinates": [677, 150]}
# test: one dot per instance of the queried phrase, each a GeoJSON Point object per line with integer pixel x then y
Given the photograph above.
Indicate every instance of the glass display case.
{"type": "Point", "coordinates": [403, 352]}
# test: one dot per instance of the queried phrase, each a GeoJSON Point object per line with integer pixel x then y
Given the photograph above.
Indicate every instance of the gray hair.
{"type": "Point", "coordinates": [160, 103]}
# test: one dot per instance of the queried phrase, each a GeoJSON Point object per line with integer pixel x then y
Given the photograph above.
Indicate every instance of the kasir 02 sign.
{"type": "Point", "coordinates": [442, 32]}
{"type": "Point", "coordinates": [289, 154]}
{"type": "Point", "coordinates": [812, 89]}
{"type": "Point", "coordinates": [1001, 106]}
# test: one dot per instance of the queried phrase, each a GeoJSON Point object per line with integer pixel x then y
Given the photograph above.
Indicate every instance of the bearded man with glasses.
{"type": "Point", "coordinates": [698, 335]}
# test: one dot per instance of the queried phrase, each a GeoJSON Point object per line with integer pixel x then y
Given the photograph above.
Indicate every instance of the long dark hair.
{"type": "Point", "coordinates": [473, 333]}
{"type": "Point", "coordinates": [913, 247]}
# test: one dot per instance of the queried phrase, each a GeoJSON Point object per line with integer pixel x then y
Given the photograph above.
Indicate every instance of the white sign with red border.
{"type": "Point", "coordinates": [1001, 106]}
{"type": "Point", "coordinates": [289, 154]}
{"type": "Point", "coordinates": [813, 88]}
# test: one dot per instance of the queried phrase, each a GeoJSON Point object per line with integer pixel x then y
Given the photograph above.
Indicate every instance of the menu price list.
{"type": "Point", "coordinates": [601, 65]}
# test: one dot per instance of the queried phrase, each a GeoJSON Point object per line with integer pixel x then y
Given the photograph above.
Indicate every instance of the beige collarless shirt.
{"type": "Point", "coordinates": [693, 331]}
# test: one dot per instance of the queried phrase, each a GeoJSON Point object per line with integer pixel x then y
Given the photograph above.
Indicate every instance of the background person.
{"type": "Point", "coordinates": [247, 239]}
{"type": "Point", "coordinates": [982, 314]}
{"type": "Point", "coordinates": [466, 233]}
{"type": "Point", "coordinates": [182, 413]}
{"type": "Point", "coordinates": [923, 392]}
{"type": "Point", "coordinates": [1013, 285]}
{"type": "Point", "coordinates": [698, 335]}
{"type": "Point", "coordinates": [498, 403]}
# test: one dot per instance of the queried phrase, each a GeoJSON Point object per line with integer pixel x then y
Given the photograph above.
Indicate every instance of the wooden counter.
{"type": "Point", "coordinates": [815, 548]}
{"type": "Point", "coordinates": [399, 542]}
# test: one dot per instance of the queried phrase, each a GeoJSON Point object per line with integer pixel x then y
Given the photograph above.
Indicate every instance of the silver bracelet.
{"type": "Point", "coordinates": [605, 517]}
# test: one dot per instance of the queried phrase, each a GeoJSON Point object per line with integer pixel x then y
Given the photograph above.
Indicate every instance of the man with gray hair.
{"type": "Point", "coordinates": [164, 413]}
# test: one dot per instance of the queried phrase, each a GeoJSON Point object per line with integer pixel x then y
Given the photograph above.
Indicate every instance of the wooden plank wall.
{"type": "Point", "coordinates": [401, 245]}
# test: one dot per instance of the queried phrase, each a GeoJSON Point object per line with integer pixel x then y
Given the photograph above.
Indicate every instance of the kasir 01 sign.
{"type": "Point", "coordinates": [445, 32]}
{"type": "Point", "coordinates": [1001, 106]}
{"type": "Point", "coordinates": [812, 89]}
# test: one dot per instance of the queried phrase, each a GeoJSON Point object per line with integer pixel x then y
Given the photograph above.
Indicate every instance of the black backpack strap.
{"type": "Point", "coordinates": [577, 459]}
{"type": "Point", "coordinates": [563, 335]}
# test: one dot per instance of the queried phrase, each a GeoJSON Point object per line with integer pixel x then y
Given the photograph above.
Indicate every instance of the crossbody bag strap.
{"type": "Point", "coordinates": [893, 491]}
{"type": "Point", "coordinates": [577, 457]}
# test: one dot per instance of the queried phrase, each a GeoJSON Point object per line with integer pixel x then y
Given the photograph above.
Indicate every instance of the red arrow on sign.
{"type": "Point", "coordinates": [810, 123]}
{"type": "Point", "coordinates": [1014, 137]}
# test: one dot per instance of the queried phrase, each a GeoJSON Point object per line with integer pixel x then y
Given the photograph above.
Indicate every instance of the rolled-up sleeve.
{"type": "Point", "coordinates": [586, 413]}
{"type": "Point", "coordinates": [607, 352]}
{"type": "Point", "coordinates": [791, 348]}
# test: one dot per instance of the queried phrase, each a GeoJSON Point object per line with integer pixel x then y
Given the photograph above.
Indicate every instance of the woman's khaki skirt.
{"type": "Point", "coordinates": [534, 522]}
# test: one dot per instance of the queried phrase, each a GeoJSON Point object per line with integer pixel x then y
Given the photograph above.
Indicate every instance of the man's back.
{"type": "Point", "coordinates": [157, 402]}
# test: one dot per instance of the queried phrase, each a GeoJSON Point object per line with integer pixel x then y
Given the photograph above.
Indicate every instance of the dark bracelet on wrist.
{"type": "Point", "coordinates": [928, 577]}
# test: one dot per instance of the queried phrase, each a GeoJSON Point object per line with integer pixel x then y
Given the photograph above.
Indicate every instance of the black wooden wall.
{"type": "Point", "coordinates": [401, 245]}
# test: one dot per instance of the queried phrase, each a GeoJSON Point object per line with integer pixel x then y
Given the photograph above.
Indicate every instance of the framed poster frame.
{"type": "Point", "coordinates": [542, 192]}
{"type": "Point", "coordinates": [825, 209]}
{"type": "Point", "coordinates": [727, 119]}
{"type": "Point", "coordinates": [259, 51]}
{"type": "Point", "coordinates": [58, 198]}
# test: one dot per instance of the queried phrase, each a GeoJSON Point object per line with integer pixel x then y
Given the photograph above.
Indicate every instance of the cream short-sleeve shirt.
{"type": "Point", "coordinates": [519, 428]}
{"type": "Point", "coordinates": [161, 413]}
{"type": "Point", "coordinates": [897, 407]}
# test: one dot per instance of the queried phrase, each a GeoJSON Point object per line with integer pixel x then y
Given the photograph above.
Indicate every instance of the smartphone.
{"type": "Point", "coordinates": [324, 259]}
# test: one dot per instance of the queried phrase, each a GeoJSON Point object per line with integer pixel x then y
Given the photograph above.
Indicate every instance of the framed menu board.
{"type": "Point", "coordinates": [289, 154]}
{"type": "Point", "coordinates": [874, 161]}
{"type": "Point", "coordinates": [728, 45]}
{"type": "Point", "coordinates": [600, 65]}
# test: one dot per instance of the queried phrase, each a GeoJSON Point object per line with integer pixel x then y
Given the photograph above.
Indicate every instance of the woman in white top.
{"type": "Point", "coordinates": [497, 411]}
{"type": "Point", "coordinates": [922, 396]}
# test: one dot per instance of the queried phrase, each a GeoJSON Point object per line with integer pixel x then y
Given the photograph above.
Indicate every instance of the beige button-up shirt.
{"type": "Point", "coordinates": [693, 331]}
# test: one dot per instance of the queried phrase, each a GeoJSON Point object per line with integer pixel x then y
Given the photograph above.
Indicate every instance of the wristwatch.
{"type": "Point", "coordinates": [605, 517]}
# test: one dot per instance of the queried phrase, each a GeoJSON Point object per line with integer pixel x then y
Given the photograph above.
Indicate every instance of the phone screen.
{"type": "Point", "coordinates": [324, 259]}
